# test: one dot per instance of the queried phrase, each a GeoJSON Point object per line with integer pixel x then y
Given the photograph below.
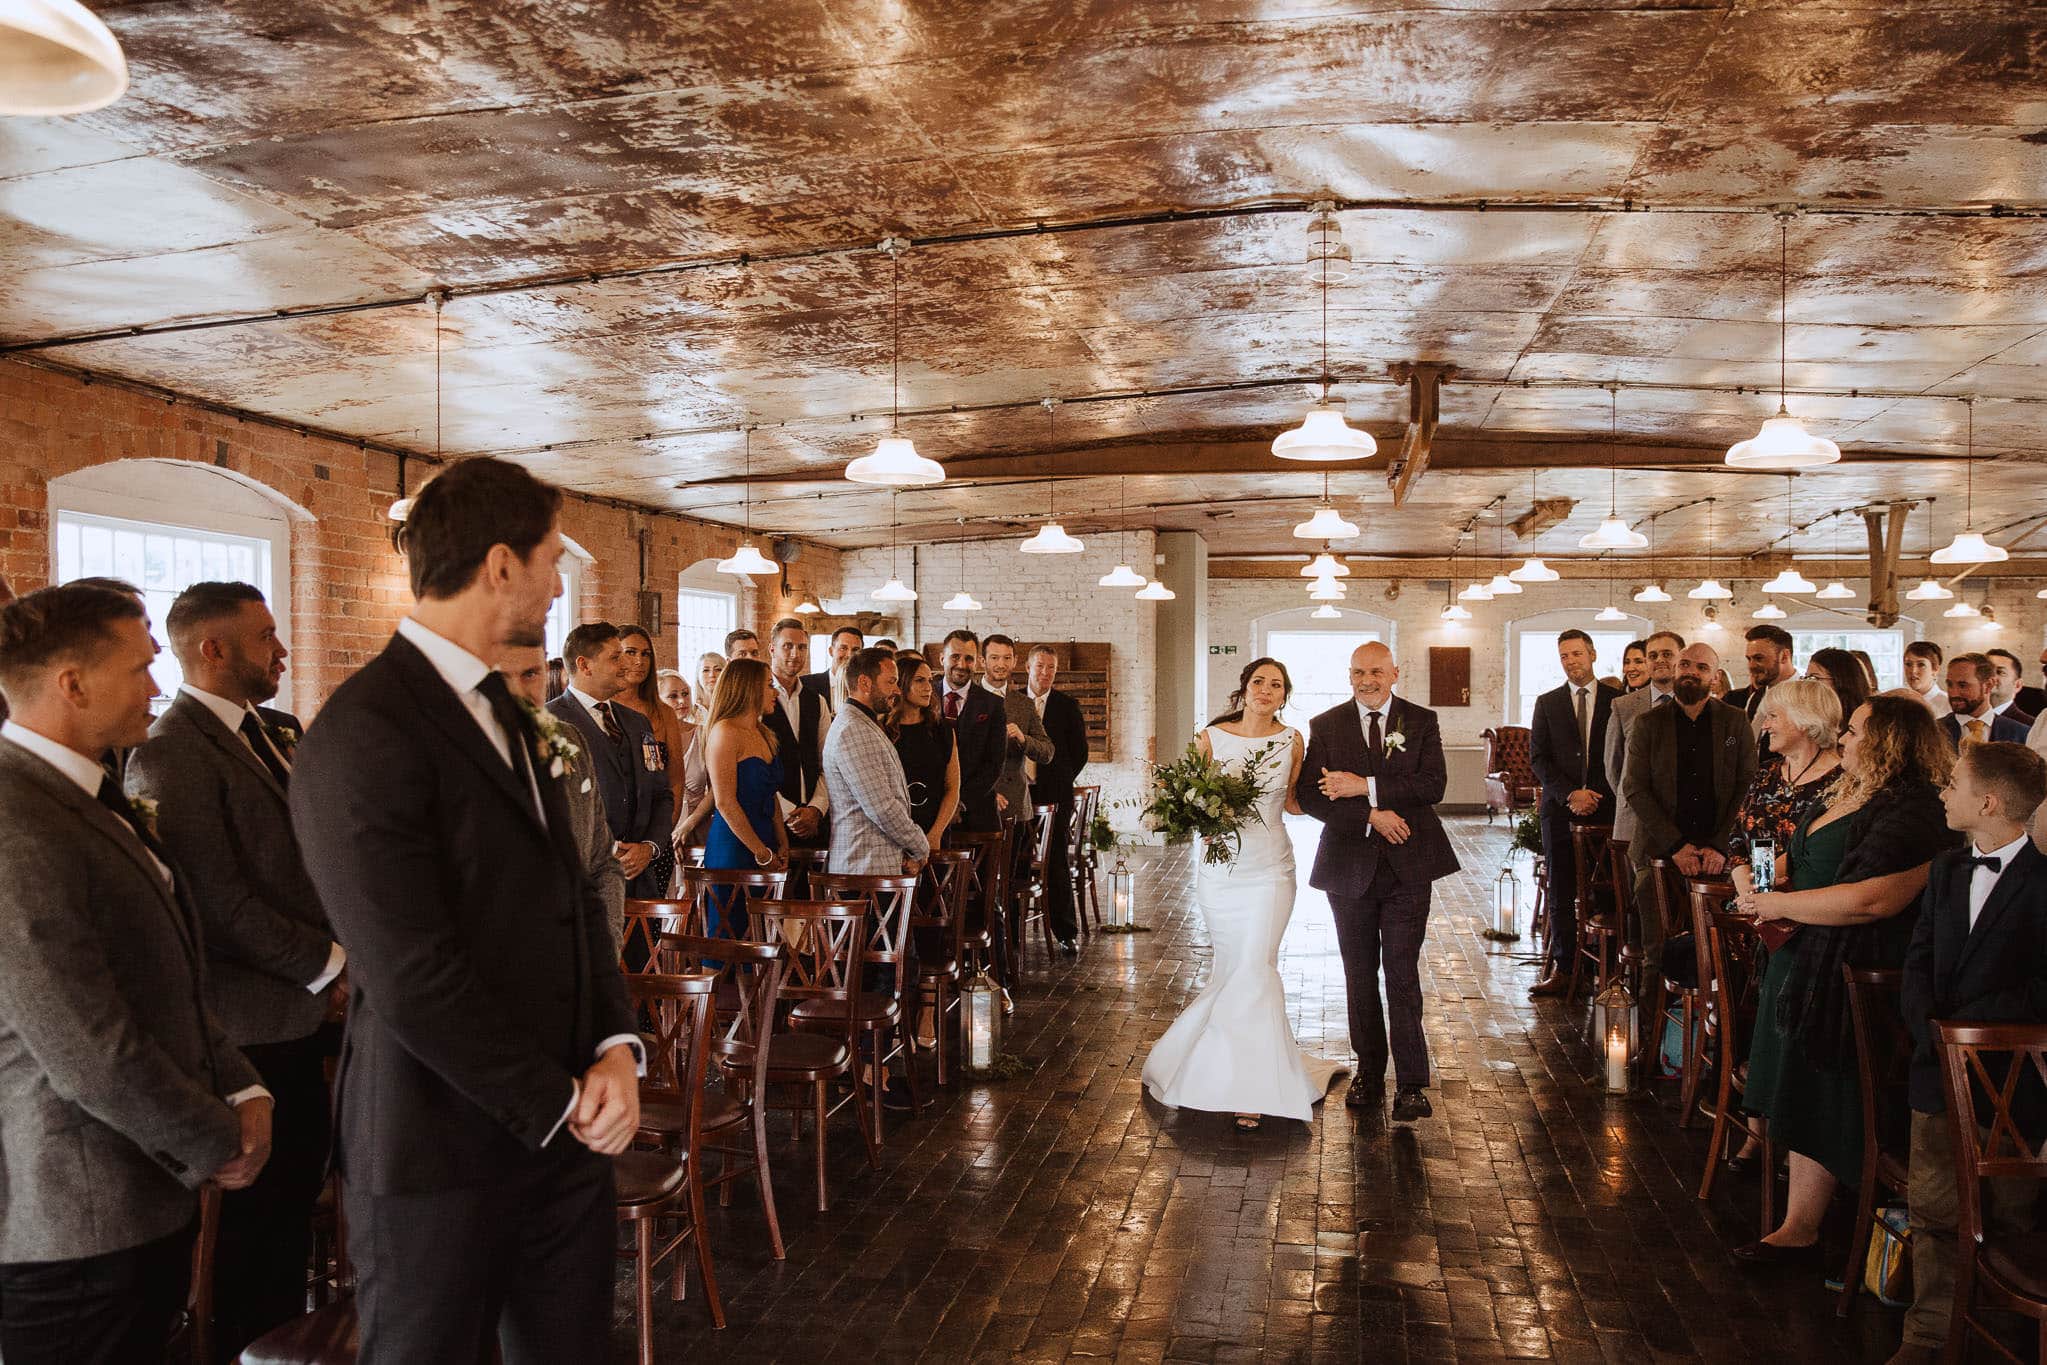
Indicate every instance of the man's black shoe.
{"type": "Point", "coordinates": [1410, 1102]}
{"type": "Point", "coordinates": [1364, 1094]}
{"type": "Point", "coordinates": [1069, 947]}
{"type": "Point", "coordinates": [896, 1095]}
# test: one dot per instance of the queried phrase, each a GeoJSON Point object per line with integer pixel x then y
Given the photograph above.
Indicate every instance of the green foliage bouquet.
{"type": "Point", "coordinates": [1198, 795]}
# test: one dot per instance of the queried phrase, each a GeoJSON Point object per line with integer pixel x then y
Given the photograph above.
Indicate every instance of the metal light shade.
{"type": "Point", "coordinates": [1157, 592]}
{"type": "Point", "coordinates": [895, 463]}
{"type": "Point", "coordinates": [1325, 612]}
{"type": "Point", "coordinates": [1502, 586]}
{"type": "Point", "coordinates": [2042, 594]}
{"type": "Point", "coordinates": [1610, 612]}
{"type": "Point", "coordinates": [1533, 570]}
{"type": "Point", "coordinates": [1929, 591]}
{"type": "Point", "coordinates": [1790, 581]}
{"type": "Point", "coordinates": [747, 560]}
{"type": "Point", "coordinates": [1783, 443]}
{"type": "Point", "coordinates": [1970, 548]}
{"type": "Point", "coordinates": [1122, 576]}
{"type": "Point", "coordinates": [400, 510]}
{"type": "Point", "coordinates": [1769, 611]}
{"type": "Point", "coordinates": [808, 607]}
{"type": "Point", "coordinates": [1325, 565]}
{"type": "Point", "coordinates": [1711, 590]}
{"type": "Point", "coordinates": [1960, 610]}
{"type": "Point", "coordinates": [1653, 593]}
{"type": "Point", "coordinates": [1613, 534]}
{"type": "Point", "coordinates": [1711, 625]}
{"type": "Point", "coordinates": [1326, 524]}
{"type": "Point", "coordinates": [1989, 619]}
{"type": "Point", "coordinates": [1326, 590]}
{"type": "Point", "coordinates": [1836, 591]}
{"type": "Point", "coordinates": [961, 601]}
{"type": "Point", "coordinates": [1323, 435]}
{"type": "Point", "coordinates": [1051, 539]}
{"type": "Point", "coordinates": [1453, 612]}
{"type": "Point", "coordinates": [57, 58]}
{"type": "Point", "coordinates": [1475, 592]}
{"type": "Point", "coordinates": [895, 590]}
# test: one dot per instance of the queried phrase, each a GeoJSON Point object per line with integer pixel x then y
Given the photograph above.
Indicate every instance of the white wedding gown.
{"type": "Point", "coordinates": [1233, 1051]}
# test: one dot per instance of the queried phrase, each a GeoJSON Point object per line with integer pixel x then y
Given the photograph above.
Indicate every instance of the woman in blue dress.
{"type": "Point", "coordinates": [746, 776]}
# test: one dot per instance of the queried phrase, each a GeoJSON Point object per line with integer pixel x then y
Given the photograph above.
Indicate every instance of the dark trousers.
{"type": "Point", "coordinates": [525, 1259]}
{"type": "Point", "coordinates": [1059, 869]}
{"type": "Point", "coordinates": [1563, 884]}
{"type": "Point", "coordinates": [260, 1261]}
{"type": "Point", "coordinates": [113, 1309]}
{"type": "Point", "coordinates": [1384, 928]}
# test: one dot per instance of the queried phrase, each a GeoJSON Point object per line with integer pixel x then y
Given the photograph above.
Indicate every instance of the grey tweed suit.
{"type": "Point", "coordinates": [1036, 746]}
{"type": "Point", "coordinates": [872, 829]}
{"type": "Point", "coordinates": [113, 1073]}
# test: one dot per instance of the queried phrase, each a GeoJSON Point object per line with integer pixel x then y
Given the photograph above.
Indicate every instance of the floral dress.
{"type": "Point", "coordinates": [1775, 807]}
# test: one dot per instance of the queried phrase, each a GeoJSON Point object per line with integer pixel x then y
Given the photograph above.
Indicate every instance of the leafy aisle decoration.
{"type": "Point", "coordinates": [1199, 796]}
{"type": "Point", "coordinates": [1528, 830]}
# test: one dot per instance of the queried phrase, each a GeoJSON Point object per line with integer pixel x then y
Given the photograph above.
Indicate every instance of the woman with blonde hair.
{"type": "Point", "coordinates": [746, 776]}
{"type": "Point", "coordinates": [1855, 865]}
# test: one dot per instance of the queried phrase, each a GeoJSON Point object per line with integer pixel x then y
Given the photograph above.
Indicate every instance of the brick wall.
{"type": "Point", "coordinates": [349, 587]}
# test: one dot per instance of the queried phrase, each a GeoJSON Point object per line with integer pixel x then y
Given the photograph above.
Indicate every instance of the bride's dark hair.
{"type": "Point", "coordinates": [1236, 711]}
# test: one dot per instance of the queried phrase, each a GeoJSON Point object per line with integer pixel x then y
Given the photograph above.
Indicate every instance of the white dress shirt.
{"type": "Point", "coordinates": [2036, 738]}
{"type": "Point", "coordinates": [463, 672]}
{"type": "Point", "coordinates": [230, 715]}
{"type": "Point", "coordinates": [86, 772]}
{"type": "Point", "coordinates": [1936, 702]}
{"type": "Point", "coordinates": [1983, 881]}
{"type": "Point", "coordinates": [791, 701]}
{"type": "Point", "coordinates": [2001, 707]}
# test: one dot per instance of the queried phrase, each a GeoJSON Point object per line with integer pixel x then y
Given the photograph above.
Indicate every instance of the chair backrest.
{"type": "Point", "coordinates": [1669, 907]}
{"type": "Point", "coordinates": [803, 863]}
{"type": "Point", "coordinates": [889, 900]}
{"type": "Point", "coordinates": [822, 944]}
{"type": "Point", "coordinates": [991, 868]}
{"type": "Point", "coordinates": [1080, 834]}
{"type": "Point", "coordinates": [714, 890]}
{"type": "Point", "coordinates": [679, 1047]}
{"type": "Point", "coordinates": [1589, 858]}
{"type": "Point", "coordinates": [1041, 836]}
{"type": "Point", "coordinates": [1883, 1052]}
{"type": "Point", "coordinates": [942, 896]}
{"type": "Point", "coordinates": [1511, 754]}
{"type": "Point", "coordinates": [1994, 1071]}
{"type": "Point", "coordinates": [645, 922]}
{"type": "Point", "coordinates": [1731, 945]}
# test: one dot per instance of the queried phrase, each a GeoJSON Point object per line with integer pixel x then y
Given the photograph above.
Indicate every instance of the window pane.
{"type": "Point", "coordinates": [702, 620]}
{"type": "Point", "coordinates": [1319, 663]}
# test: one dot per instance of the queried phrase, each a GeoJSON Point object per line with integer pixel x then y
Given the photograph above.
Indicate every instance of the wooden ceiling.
{"type": "Point", "coordinates": [658, 222]}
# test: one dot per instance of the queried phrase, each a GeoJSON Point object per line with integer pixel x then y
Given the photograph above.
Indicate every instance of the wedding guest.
{"type": "Point", "coordinates": [1838, 669]}
{"type": "Point", "coordinates": [801, 719]}
{"type": "Point", "coordinates": [1869, 682]}
{"type": "Point", "coordinates": [1051, 783]}
{"type": "Point", "coordinates": [640, 691]}
{"type": "Point", "coordinates": [2031, 700]}
{"type": "Point", "coordinates": [114, 760]}
{"type": "Point", "coordinates": [1689, 764]}
{"type": "Point", "coordinates": [886, 643]}
{"type": "Point", "coordinates": [674, 691]}
{"type": "Point", "coordinates": [979, 720]}
{"type": "Point", "coordinates": [122, 1094]}
{"type": "Point", "coordinates": [2006, 675]}
{"type": "Point", "coordinates": [1567, 738]}
{"type": "Point", "coordinates": [742, 644]}
{"type": "Point", "coordinates": [740, 752]}
{"type": "Point", "coordinates": [1767, 653]}
{"type": "Point", "coordinates": [557, 678]}
{"type": "Point", "coordinates": [687, 760]}
{"type": "Point", "coordinates": [526, 674]}
{"type": "Point", "coordinates": [1025, 740]}
{"type": "Point", "coordinates": [631, 782]}
{"type": "Point", "coordinates": [927, 747]}
{"type": "Point", "coordinates": [874, 833]}
{"type": "Point", "coordinates": [492, 1064]}
{"type": "Point", "coordinates": [1661, 651]}
{"type": "Point", "coordinates": [1970, 716]}
{"type": "Point", "coordinates": [709, 666]}
{"type": "Point", "coordinates": [830, 683]}
{"type": "Point", "coordinates": [1923, 674]}
{"type": "Point", "coordinates": [1635, 666]}
{"type": "Point", "coordinates": [1719, 685]}
{"type": "Point", "coordinates": [218, 771]}
{"type": "Point", "coordinates": [1373, 774]}
{"type": "Point", "coordinates": [1978, 955]}
{"type": "Point", "coordinates": [1853, 867]}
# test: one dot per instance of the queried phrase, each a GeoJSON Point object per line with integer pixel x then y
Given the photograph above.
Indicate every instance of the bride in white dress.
{"type": "Point", "coordinates": [1233, 1051]}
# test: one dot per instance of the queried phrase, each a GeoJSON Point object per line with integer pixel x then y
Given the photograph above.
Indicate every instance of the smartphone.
{"type": "Point", "coordinates": [1762, 865]}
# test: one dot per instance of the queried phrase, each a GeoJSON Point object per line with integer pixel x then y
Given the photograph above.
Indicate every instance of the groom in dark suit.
{"type": "Point", "coordinates": [1373, 775]}
{"type": "Point", "coordinates": [489, 1071]}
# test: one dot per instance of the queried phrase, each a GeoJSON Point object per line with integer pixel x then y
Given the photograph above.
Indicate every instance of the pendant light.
{"type": "Point", "coordinates": [1323, 434]}
{"type": "Point", "coordinates": [1122, 576]}
{"type": "Point", "coordinates": [1051, 538]}
{"type": "Point", "coordinates": [1326, 612]}
{"type": "Point", "coordinates": [1325, 565]}
{"type": "Point", "coordinates": [1157, 592]}
{"type": "Point", "coordinates": [1929, 590]}
{"type": "Point", "coordinates": [1769, 611]}
{"type": "Point", "coordinates": [1836, 590]}
{"type": "Point", "coordinates": [1610, 612]}
{"type": "Point", "coordinates": [1783, 443]}
{"type": "Point", "coordinates": [1960, 610]}
{"type": "Point", "coordinates": [1532, 569]}
{"type": "Point", "coordinates": [895, 462]}
{"type": "Point", "coordinates": [57, 58]}
{"type": "Point", "coordinates": [402, 508]}
{"type": "Point", "coordinates": [1327, 590]}
{"type": "Point", "coordinates": [1327, 524]}
{"type": "Point", "coordinates": [1789, 579]}
{"type": "Point", "coordinates": [1451, 611]}
{"type": "Point", "coordinates": [1710, 589]}
{"type": "Point", "coordinates": [1475, 591]}
{"type": "Point", "coordinates": [1654, 592]}
{"type": "Point", "coordinates": [1613, 533]}
{"type": "Point", "coordinates": [895, 590]}
{"type": "Point", "coordinates": [1503, 583]}
{"type": "Point", "coordinates": [1969, 547]}
{"type": "Point", "coordinates": [747, 560]}
{"type": "Point", "coordinates": [1711, 625]}
{"type": "Point", "coordinates": [962, 600]}
{"type": "Point", "coordinates": [808, 606]}
{"type": "Point", "coordinates": [1988, 620]}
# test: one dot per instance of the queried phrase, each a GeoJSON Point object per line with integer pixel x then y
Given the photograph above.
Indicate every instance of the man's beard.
{"type": "Point", "coordinates": [1762, 677]}
{"type": "Point", "coordinates": [958, 678]}
{"type": "Point", "coordinates": [1690, 691]}
{"type": "Point", "coordinates": [256, 682]}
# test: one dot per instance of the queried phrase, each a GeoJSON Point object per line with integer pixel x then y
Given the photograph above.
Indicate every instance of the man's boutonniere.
{"type": "Point", "coordinates": [145, 813]}
{"type": "Point", "coordinates": [553, 746]}
{"type": "Point", "coordinates": [285, 738]}
{"type": "Point", "coordinates": [1396, 742]}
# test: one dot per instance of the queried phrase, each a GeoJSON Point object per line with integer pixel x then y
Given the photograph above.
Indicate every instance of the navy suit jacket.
{"type": "Point", "coordinates": [1561, 763]}
{"type": "Point", "coordinates": [983, 733]}
{"type": "Point", "coordinates": [639, 805]}
{"type": "Point", "coordinates": [1410, 781]}
{"type": "Point", "coordinates": [2001, 728]}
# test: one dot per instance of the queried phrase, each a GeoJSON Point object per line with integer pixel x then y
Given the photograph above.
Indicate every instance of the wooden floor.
{"type": "Point", "coordinates": [1066, 1216]}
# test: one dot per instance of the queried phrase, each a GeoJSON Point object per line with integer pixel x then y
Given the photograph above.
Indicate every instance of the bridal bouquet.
{"type": "Point", "coordinates": [1198, 795]}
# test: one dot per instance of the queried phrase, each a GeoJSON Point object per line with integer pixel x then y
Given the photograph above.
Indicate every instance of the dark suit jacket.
{"type": "Point", "coordinates": [482, 964]}
{"type": "Point", "coordinates": [1993, 974]}
{"type": "Point", "coordinates": [983, 733]}
{"type": "Point", "coordinates": [1560, 761]}
{"type": "Point", "coordinates": [2031, 700]}
{"type": "Point", "coordinates": [2001, 728]}
{"type": "Point", "coordinates": [1650, 780]}
{"type": "Point", "coordinates": [639, 805]}
{"type": "Point", "coordinates": [1747, 700]}
{"type": "Point", "coordinates": [1068, 729]}
{"type": "Point", "coordinates": [228, 824]}
{"type": "Point", "coordinates": [1410, 782]}
{"type": "Point", "coordinates": [820, 683]}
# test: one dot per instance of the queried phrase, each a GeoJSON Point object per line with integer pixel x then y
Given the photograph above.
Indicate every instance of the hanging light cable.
{"type": "Point", "coordinates": [895, 590]}
{"type": "Point", "coordinates": [1783, 442]}
{"type": "Point", "coordinates": [1613, 533]}
{"type": "Point", "coordinates": [747, 559]}
{"type": "Point", "coordinates": [1503, 584]}
{"type": "Point", "coordinates": [1970, 547]}
{"type": "Point", "coordinates": [1710, 588]}
{"type": "Point", "coordinates": [1452, 612]}
{"type": "Point", "coordinates": [1789, 579]}
{"type": "Point", "coordinates": [1930, 589]}
{"type": "Point", "coordinates": [962, 600]}
{"type": "Point", "coordinates": [1532, 569]}
{"type": "Point", "coordinates": [1122, 576]}
{"type": "Point", "coordinates": [1836, 590]}
{"type": "Point", "coordinates": [1323, 434]}
{"type": "Point", "coordinates": [1654, 592]}
{"type": "Point", "coordinates": [402, 508]}
{"type": "Point", "coordinates": [895, 462]}
{"type": "Point", "coordinates": [1051, 538]}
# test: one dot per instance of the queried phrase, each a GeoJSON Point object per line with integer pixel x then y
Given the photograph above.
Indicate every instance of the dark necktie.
{"type": "Point", "coordinates": [1584, 738]}
{"type": "Point", "coordinates": [1664, 697]}
{"type": "Point", "coordinates": [1994, 864]}
{"type": "Point", "coordinates": [110, 796]}
{"type": "Point", "coordinates": [952, 706]}
{"type": "Point", "coordinates": [512, 721]}
{"type": "Point", "coordinates": [252, 731]}
{"type": "Point", "coordinates": [1374, 739]}
{"type": "Point", "coordinates": [612, 731]}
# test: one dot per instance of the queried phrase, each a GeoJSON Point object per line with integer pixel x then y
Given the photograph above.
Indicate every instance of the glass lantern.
{"type": "Point", "coordinates": [1506, 905]}
{"type": "Point", "coordinates": [1122, 896]}
{"type": "Point", "coordinates": [1613, 1023]}
{"type": "Point", "coordinates": [980, 1022]}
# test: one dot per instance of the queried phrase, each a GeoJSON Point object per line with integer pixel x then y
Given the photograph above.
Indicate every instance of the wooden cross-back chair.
{"type": "Point", "coordinates": [883, 1005]}
{"type": "Point", "coordinates": [723, 897]}
{"type": "Point", "coordinates": [1883, 1057]}
{"type": "Point", "coordinates": [1080, 859]}
{"type": "Point", "coordinates": [939, 927]}
{"type": "Point", "coordinates": [987, 932]}
{"type": "Point", "coordinates": [1731, 943]}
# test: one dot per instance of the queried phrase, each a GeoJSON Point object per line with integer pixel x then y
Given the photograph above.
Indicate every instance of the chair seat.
{"type": "Point", "coordinates": [325, 1336]}
{"type": "Point", "coordinates": [1893, 1170]}
{"type": "Point", "coordinates": [647, 1177]}
{"type": "Point", "coordinates": [793, 1057]}
{"type": "Point", "coordinates": [870, 1008]}
{"type": "Point", "coordinates": [941, 970]}
{"type": "Point", "coordinates": [2018, 1262]}
{"type": "Point", "coordinates": [670, 1118]}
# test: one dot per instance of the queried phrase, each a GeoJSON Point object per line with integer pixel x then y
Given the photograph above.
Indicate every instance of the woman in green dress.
{"type": "Point", "coordinates": [1855, 867]}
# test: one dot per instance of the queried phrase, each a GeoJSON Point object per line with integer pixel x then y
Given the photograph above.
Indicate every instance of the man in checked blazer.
{"type": "Point", "coordinates": [218, 772]}
{"type": "Point", "coordinates": [873, 832]}
{"type": "Point", "coordinates": [119, 1093]}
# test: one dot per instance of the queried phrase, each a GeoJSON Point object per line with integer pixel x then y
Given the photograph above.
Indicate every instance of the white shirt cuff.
{"type": "Point", "coordinates": [575, 1098]}
{"type": "Point", "coordinates": [1372, 790]}
{"type": "Point", "coordinates": [337, 958]}
{"type": "Point", "coordinates": [247, 1093]}
{"type": "Point", "coordinates": [631, 1040]}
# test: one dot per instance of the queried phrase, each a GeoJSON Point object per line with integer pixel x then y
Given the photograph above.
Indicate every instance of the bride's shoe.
{"type": "Point", "coordinates": [1248, 1123]}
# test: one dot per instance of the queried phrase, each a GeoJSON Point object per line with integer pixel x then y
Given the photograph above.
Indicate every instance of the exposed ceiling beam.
{"type": "Point", "coordinates": [1424, 411]}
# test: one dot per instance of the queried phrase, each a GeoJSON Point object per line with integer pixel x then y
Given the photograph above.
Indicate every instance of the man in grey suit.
{"type": "Point", "coordinates": [639, 805]}
{"type": "Point", "coordinates": [1026, 732]}
{"type": "Point", "coordinates": [1661, 651]}
{"type": "Point", "coordinates": [873, 832]}
{"type": "Point", "coordinates": [119, 1093]}
{"type": "Point", "coordinates": [525, 668]}
{"type": "Point", "coordinates": [218, 773]}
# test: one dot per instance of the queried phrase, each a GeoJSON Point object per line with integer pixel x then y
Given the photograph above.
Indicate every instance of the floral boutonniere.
{"type": "Point", "coordinates": [554, 748]}
{"type": "Point", "coordinates": [285, 738]}
{"type": "Point", "coordinates": [145, 813]}
{"type": "Point", "coordinates": [1396, 742]}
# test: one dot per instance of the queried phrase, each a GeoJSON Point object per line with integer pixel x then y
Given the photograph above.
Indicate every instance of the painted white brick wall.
{"type": "Point", "coordinates": [1050, 597]}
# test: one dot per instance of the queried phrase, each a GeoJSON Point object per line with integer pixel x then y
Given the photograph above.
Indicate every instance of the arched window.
{"type": "Point", "coordinates": [1316, 652]}
{"type": "Point", "coordinates": [567, 612]}
{"type": "Point", "coordinates": [1532, 667]}
{"type": "Point", "coordinates": [706, 609]}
